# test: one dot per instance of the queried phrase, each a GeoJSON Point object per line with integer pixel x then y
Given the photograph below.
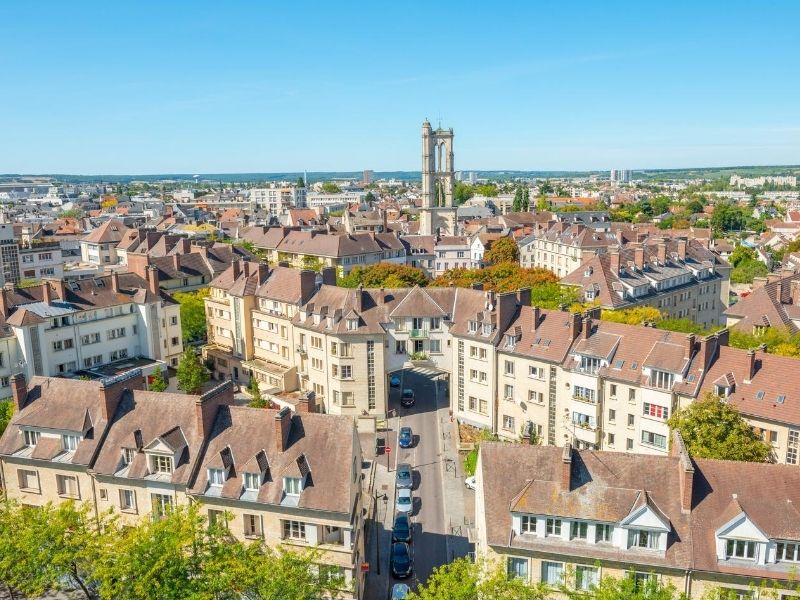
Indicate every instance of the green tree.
{"type": "Point", "coordinates": [51, 548]}
{"type": "Point", "coordinates": [627, 588]}
{"type": "Point", "coordinates": [386, 275]}
{"type": "Point", "coordinates": [462, 192]}
{"type": "Point", "coordinates": [256, 399]}
{"type": "Point", "coordinates": [526, 201]}
{"type": "Point", "coordinates": [191, 372]}
{"type": "Point", "coordinates": [747, 270]}
{"type": "Point", "coordinates": [6, 411]}
{"type": "Point", "coordinates": [158, 382]}
{"type": "Point", "coordinates": [740, 254]}
{"type": "Point", "coordinates": [312, 263]}
{"type": "Point", "coordinates": [72, 213]}
{"type": "Point", "coordinates": [301, 183]}
{"type": "Point", "coordinates": [488, 189]}
{"type": "Point", "coordinates": [193, 314]}
{"type": "Point", "coordinates": [553, 295]}
{"type": "Point", "coordinates": [632, 316]}
{"type": "Point", "coordinates": [712, 428]}
{"type": "Point", "coordinates": [331, 188]}
{"type": "Point", "coordinates": [502, 250]}
{"type": "Point", "coordinates": [370, 198]}
{"type": "Point", "coordinates": [516, 206]}
{"type": "Point", "coordinates": [542, 204]}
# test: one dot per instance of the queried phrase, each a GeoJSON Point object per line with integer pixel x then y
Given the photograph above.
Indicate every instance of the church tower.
{"type": "Point", "coordinates": [437, 214]}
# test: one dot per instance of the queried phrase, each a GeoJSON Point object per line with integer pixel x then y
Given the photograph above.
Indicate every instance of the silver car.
{"type": "Point", "coordinates": [405, 502]}
{"type": "Point", "coordinates": [404, 478]}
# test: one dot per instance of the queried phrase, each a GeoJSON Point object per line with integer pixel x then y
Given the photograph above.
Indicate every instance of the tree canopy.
{"type": "Point", "coordinates": [502, 250]}
{"type": "Point", "coordinates": [331, 188]}
{"type": "Point", "coordinates": [158, 383]}
{"type": "Point", "coordinates": [191, 372]}
{"type": "Point", "coordinates": [713, 428]}
{"type": "Point", "coordinates": [387, 275]}
{"type": "Point", "coordinates": [193, 314]}
{"type": "Point", "coordinates": [504, 277]}
{"type": "Point", "coordinates": [6, 411]}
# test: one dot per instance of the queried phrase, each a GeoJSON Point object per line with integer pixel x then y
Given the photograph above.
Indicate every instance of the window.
{"type": "Point", "coordinates": [662, 379]}
{"type": "Point", "coordinates": [517, 568]}
{"type": "Point", "coordinates": [631, 395]}
{"type": "Point", "coordinates": [654, 439]}
{"type": "Point", "coordinates": [175, 341]}
{"type": "Point", "coordinates": [654, 410]}
{"type": "Point", "coordinates": [508, 392]}
{"type": "Point", "coordinates": [216, 517]}
{"type": "Point", "coordinates": [436, 346]}
{"type": "Point", "coordinates": [173, 320]}
{"type": "Point", "coordinates": [400, 347]}
{"type": "Point", "coordinates": [483, 407]}
{"type": "Point", "coordinates": [792, 446]}
{"type": "Point", "coordinates": [216, 477]}
{"type": "Point", "coordinates": [583, 393]}
{"type": "Point", "coordinates": [641, 538]}
{"type": "Point", "coordinates": [788, 551]}
{"type": "Point", "coordinates": [527, 524]}
{"type": "Point", "coordinates": [316, 342]}
{"type": "Point", "coordinates": [603, 532]}
{"type": "Point", "coordinates": [161, 464]}
{"type": "Point", "coordinates": [640, 580]}
{"type": "Point", "coordinates": [589, 364]}
{"type": "Point", "coordinates": [509, 368]}
{"type": "Point", "coordinates": [252, 525]}
{"type": "Point", "coordinates": [612, 390]}
{"type": "Point", "coordinates": [294, 530]}
{"type": "Point", "coordinates": [585, 577]}
{"type": "Point", "coordinates": [127, 500]}
{"type": "Point", "coordinates": [612, 415]}
{"type": "Point", "coordinates": [578, 530]}
{"type": "Point", "coordinates": [553, 527]}
{"type": "Point", "coordinates": [31, 437]}
{"type": "Point", "coordinates": [536, 372]}
{"type": "Point", "coordinates": [252, 481]}
{"type": "Point", "coordinates": [611, 439]}
{"type": "Point", "coordinates": [347, 372]}
{"type": "Point", "coordinates": [629, 444]}
{"type": "Point", "coordinates": [70, 442]}
{"type": "Point", "coordinates": [292, 486]}
{"type": "Point", "coordinates": [552, 572]}
{"type": "Point", "coordinates": [508, 423]}
{"type": "Point", "coordinates": [67, 486]}
{"type": "Point", "coordinates": [631, 420]}
{"type": "Point", "coordinates": [28, 479]}
{"type": "Point", "coordinates": [740, 549]}
{"type": "Point", "coordinates": [127, 455]}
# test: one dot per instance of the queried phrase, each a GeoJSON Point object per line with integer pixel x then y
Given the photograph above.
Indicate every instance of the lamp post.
{"type": "Point", "coordinates": [375, 527]}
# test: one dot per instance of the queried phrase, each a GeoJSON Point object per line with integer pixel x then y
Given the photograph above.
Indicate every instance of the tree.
{"type": "Point", "coordinates": [331, 188]}
{"type": "Point", "coordinates": [712, 428]}
{"type": "Point", "coordinates": [462, 192]}
{"type": "Point", "coordinates": [193, 314]}
{"type": "Point", "coordinates": [312, 263]}
{"type": "Point", "coordinates": [526, 201]}
{"type": "Point", "coordinates": [632, 316]}
{"type": "Point", "coordinates": [542, 204]}
{"type": "Point", "coordinates": [554, 295]}
{"type": "Point", "coordinates": [740, 254]}
{"type": "Point", "coordinates": [502, 250]}
{"type": "Point", "coordinates": [503, 277]}
{"type": "Point", "coordinates": [370, 198]}
{"type": "Point", "coordinates": [158, 383]}
{"type": "Point", "coordinates": [71, 213]}
{"type": "Point", "coordinates": [516, 206]}
{"type": "Point", "coordinates": [747, 270]}
{"type": "Point", "coordinates": [191, 372]}
{"type": "Point", "coordinates": [301, 182]}
{"type": "Point", "coordinates": [6, 411]}
{"type": "Point", "coordinates": [386, 275]}
{"type": "Point", "coordinates": [488, 189]}
{"type": "Point", "coordinates": [256, 399]}
{"type": "Point", "coordinates": [627, 587]}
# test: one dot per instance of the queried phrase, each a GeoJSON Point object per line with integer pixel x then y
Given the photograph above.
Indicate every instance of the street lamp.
{"type": "Point", "coordinates": [375, 526]}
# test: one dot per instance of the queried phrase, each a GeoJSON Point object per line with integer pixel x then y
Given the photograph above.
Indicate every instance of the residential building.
{"type": "Point", "coordinates": [277, 200]}
{"type": "Point", "coordinates": [100, 246]}
{"type": "Point", "coordinates": [452, 252]}
{"type": "Point", "coordinates": [560, 247]}
{"type": "Point", "coordinates": [749, 182]}
{"type": "Point", "coordinates": [333, 201]}
{"type": "Point", "coordinates": [571, 517]}
{"type": "Point", "coordinates": [774, 303]}
{"type": "Point", "coordinates": [41, 260]}
{"type": "Point", "coordinates": [9, 255]}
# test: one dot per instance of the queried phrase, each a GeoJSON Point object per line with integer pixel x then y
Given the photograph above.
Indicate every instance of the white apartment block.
{"type": "Point", "coordinates": [276, 200]}
{"type": "Point", "coordinates": [41, 260]}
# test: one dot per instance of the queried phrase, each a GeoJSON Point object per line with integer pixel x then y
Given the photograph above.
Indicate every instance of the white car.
{"type": "Point", "coordinates": [404, 501]}
{"type": "Point", "coordinates": [470, 482]}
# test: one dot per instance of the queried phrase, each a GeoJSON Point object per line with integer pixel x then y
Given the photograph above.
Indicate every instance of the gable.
{"type": "Point", "coordinates": [645, 517]}
{"type": "Point", "coordinates": [742, 527]}
{"type": "Point", "coordinates": [159, 447]}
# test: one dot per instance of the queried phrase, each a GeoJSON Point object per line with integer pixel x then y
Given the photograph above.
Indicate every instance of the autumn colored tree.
{"type": "Point", "coordinates": [504, 277]}
{"type": "Point", "coordinates": [502, 250]}
{"type": "Point", "coordinates": [386, 275]}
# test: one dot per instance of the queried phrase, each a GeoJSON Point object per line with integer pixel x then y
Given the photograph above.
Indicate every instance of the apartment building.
{"type": "Point", "coordinates": [99, 247]}
{"type": "Point", "coordinates": [9, 255]}
{"type": "Point", "coordinates": [452, 252]}
{"type": "Point", "coordinates": [277, 200]}
{"type": "Point", "coordinates": [292, 480]}
{"type": "Point", "coordinates": [41, 260]}
{"type": "Point", "coordinates": [774, 303]}
{"type": "Point", "coordinates": [561, 247]}
{"type": "Point", "coordinates": [72, 328]}
{"type": "Point", "coordinates": [681, 278]}
{"type": "Point", "coordinates": [571, 517]}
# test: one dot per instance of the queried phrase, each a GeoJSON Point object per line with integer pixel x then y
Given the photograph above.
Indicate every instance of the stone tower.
{"type": "Point", "coordinates": [437, 214]}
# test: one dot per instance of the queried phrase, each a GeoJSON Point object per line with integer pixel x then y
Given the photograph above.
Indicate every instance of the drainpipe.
{"type": "Point", "coordinates": [687, 587]}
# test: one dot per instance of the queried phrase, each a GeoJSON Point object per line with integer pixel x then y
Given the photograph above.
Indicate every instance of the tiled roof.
{"type": "Point", "coordinates": [112, 231]}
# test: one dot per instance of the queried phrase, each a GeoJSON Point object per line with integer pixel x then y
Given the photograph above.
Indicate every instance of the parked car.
{"type": "Point", "coordinates": [401, 530]}
{"type": "Point", "coordinates": [404, 477]}
{"type": "Point", "coordinates": [407, 398]}
{"type": "Point", "coordinates": [470, 482]}
{"type": "Point", "coordinates": [394, 381]}
{"type": "Point", "coordinates": [406, 437]}
{"type": "Point", "coordinates": [404, 501]}
{"type": "Point", "coordinates": [401, 560]}
{"type": "Point", "coordinates": [400, 591]}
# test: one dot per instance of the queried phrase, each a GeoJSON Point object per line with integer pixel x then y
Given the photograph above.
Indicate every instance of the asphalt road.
{"type": "Point", "coordinates": [430, 526]}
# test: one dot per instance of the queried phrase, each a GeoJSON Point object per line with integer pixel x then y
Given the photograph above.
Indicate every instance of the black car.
{"type": "Point", "coordinates": [407, 398]}
{"type": "Point", "coordinates": [401, 560]}
{"type": "Point", "coordinates": [401, 531]}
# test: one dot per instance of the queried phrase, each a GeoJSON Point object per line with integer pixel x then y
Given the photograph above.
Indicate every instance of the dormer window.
{"type": "Point", "coordinates": [252, 481]}
{"type": "Point", "coordinates": [662, 379]}
{"type": "Point", "coordinates": [642, 538]}
{"type": "Point", "coordinates": [740, 549]}
{"type": "Point", "coordinates": [352, 324]}
{"type": "Point", "coordinates": [589, 364]}
{"type": "Point", "coordinates": [721, 390]}
{"type": "Point", "coordinates": [127, 456]}
{"type": "Point", "coordinates": [216, 477]}
{"type": "Point", "coordinates": [487, 329]}
{"type": "Point", "coordinates": [292, 486]}
{"type": "Point", "coordinates": [161, 464]}
{"type": "Point", "coordinates": [317, 319]}
{"type": "Point", "coordinates": [788, 551]}
{"type": "Point", "coordinates": [31, 438]}
{"type": "Point", "coordinates": [70, 442]}
{"type": "Point", "coordinates": [473, 326]}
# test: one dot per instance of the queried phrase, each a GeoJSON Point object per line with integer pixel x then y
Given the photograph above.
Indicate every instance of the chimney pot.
{"type": "Point", "coordinates": [574, 325]}
{"type": "Point", "coordinates": [308, 403]}
{"type": "Point", "coordinates": [206, 406]}
{"type": "Point", "coordinates": [566, 467]}
{"type": "Point", "coordinates": [47, 297]}
{"type": "Point", "coordinates": [115, 281]}
{"type": "Point", "coordinates": [283, 422]}
{"type": "Point", "coordinates": [19, 391]}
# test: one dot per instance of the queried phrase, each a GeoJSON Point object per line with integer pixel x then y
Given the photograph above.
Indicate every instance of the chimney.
{"type": "Point", "coordinates": [706, 350]}
{"type": "Point", "coordinates": [112, 389]}
{"type": "Point", "coordinates": [185, 245]}
{"type": "Point", "coordinates": [779, 290]}
{"type": "Point", "coordinates": [638, 257]}
{"type": "Point", "coordinates": [537, 315]}
{"type": "Point", "coordinates": [689, 345]}
{"type": "Point", "coordinates": [685, 470]}
{"type": "Point", "coordinates": [60, 288]}
{"type": "Point", "coordinates": [207, 405]}
{"type": "Point", "coordinates": [5, 303]}
{"type": "Point", "coordinates": [662, 252]}
{"type": "Point", "coordinates": [236, 265]}
{"type": "Point", "coordinates": [587, 327]}
{"type": "Point", "coordinates": [613, 255]}
{"type": "Point", "coordinates": [722, 337]}
{"type": "Point", "coordinates": [246, 268]}
{"type": "Point", "coordinates": [524, 296]}
{"type": "Point", "coordinates": [47, 296]}
{"type": "Point", "coordinates": [794, 292]}
{"type": "Point", "coordinates": [176, 262]}
{"type": "Point", "coordinates": [751, 365]}
{"type": "Point", "coordinates": [477, 286]}
{"type": "Point", "coordinates": [308, 285]}
{"type": "Point", "coordinates": [308, 403]}
{"type": "Point", "coordinates": [152, 279]}
{"type": "Point", "coordinates": [620, 239]}
{"type": "Point", "coordinates": [262, 272]}
{"type": "Point", "coordinates": [19, 391]}
{"type": "Point", "coordinates": [329, 276]}
{"type": "Point", "coordinates": [115, 282]}
{"type": "Point", "coordinates": [358, 304]}
{"type": "Point", "coordinates": [283, 423]}
{"type": "Point", "coordinates": [574, 325]}
{"type": "Point", "coordinates": [566, 467]}
{"type": "Point", "coordinates": [682, 249]}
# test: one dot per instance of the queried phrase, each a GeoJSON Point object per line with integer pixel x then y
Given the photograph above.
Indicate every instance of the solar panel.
{"type": "Point", "coordinates": [760, 395]}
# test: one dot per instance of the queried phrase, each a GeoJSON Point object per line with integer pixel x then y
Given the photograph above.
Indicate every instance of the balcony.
{"type": "Point", "coordinates": [586, 433]}
{"type": "Point", "coordinates": [580, 398]}
{"type": "Point", "coordinates": [418, 334]}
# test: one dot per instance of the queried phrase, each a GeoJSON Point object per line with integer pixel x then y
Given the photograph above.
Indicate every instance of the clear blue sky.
{"type": "Point", "coordinates": [193, 87]}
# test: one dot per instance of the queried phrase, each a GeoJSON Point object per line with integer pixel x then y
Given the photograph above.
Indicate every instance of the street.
{"type": "Point", "coordinates": [438, 490]}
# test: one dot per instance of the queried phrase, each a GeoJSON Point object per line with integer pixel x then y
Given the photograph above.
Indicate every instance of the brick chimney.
{"type": "Point", "coordinates": [751, 365]}
{"type": "Point", "coordinates": [176, 262]}
{"type": "Point", "coordinates": [308, 403]}
{"type": "Point", "coordinates": [574, 325]}
{"type": "Point", "coordinates": [689, 345]}
{"type": "Point", "coordinates": [283, 424]}
{"type": "Point", "coordinates": [112, 389]}
{"type": "Point", "coordinates": [566, 467]}
{"type": "Point", "coordinates": [620, 238]}
{"type": "Point", "coordinates": [537, 315]}
{"type": "Point", "coordinates": [662, 252]}
{"type": "Point", "coordinates": [207, 405]}
{"type": "Point", "coordinates": [587, 327]}
{"type": "Point", "coordinates": [47, 296]}
{"type": "Point", "coordinates": [19, 391]}
{"type": "Point", "coordinates": [185, 245]}
{"type": "Point", "coordinates": [707, 345]}
{"type": "Point", "coordinates": [329, 276]}
{"type": "Point", "coordinates": [5, 303]}
{"type": "Point", "coordinates": [638, 257]}
{"type": "Point", "coordinates": [236, 265]}
{"type": "Point", "coordinates": [115, 282]}
{"type": "Point", "coordinates": [152, 279]}
{"type": "Point", "coordinates": [524, 296]}
{"type": "Point", "coordinates": [262, 273]}
{"type": "Point", "coordinates": [506, 309]}
{"type": "Point", "coordinates": [682, 249]}
{"type": "Point", "coordinates": [794, 291]}
{"type": "Point", "coordinates": [685, 470]}
{"type": "Point", "coordinates": [60, 288]}
{"type": "Point", "coordinates": [308, 285]}
{"type": "Point", "coordinates": [613, 255]}
{"type": "Point", "coordinates": [722, 337]}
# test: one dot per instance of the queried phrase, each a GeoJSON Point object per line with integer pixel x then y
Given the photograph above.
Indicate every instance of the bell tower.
{"type": "Point", "coordinates": [437, 214]}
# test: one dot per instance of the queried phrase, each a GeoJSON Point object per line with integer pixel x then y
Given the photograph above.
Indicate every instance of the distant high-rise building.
{"type": "Point", "coordinates": [9, 255]}
{"type": "Point", "coordinates": [366, 178]}
{"type": "Point", "coordinates": [472, 177]}
{"type": "Point", "coordinates": [620, 176]}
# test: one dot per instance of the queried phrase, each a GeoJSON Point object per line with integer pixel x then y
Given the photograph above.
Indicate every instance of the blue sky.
{"type": "Point", "coordinates": [193, 87]}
